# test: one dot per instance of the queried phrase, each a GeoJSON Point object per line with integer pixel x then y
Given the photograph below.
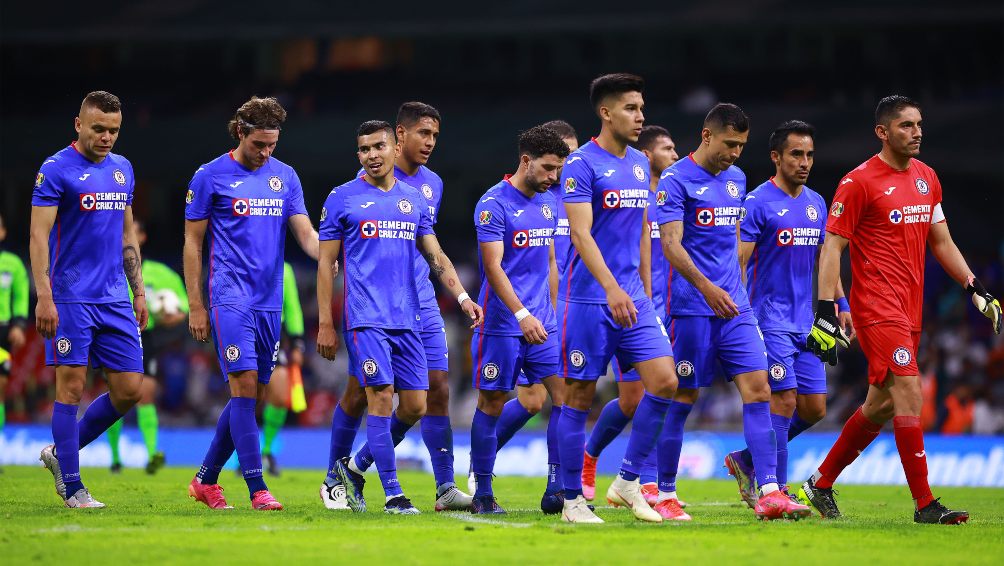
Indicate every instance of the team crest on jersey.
{"type": "Point", "coordinates": [87, 201]}
{"type": "Point", "coordinates": [189, 196]}
{"type": "Point", "coordinates": [39, 179]}
{"type": "Point", "coordinates": [577, 358]}
{"type": "Point", "coordinates": [895, 216]}
{"type": "Point", "coordinates": [812, 213]}
{"type": "Point", "coordinates": [119, 177]}
{"type": "Point", "coordinates": [324, 213]}
{"type": "Point", "coordinates": [546, 211]}
{"type": "Point", "coordinates": [404, 205]}
{"type": "Point", "coordinates": [63, 346]}
{"type": "Point", "coordinates": [684, 368]}
{"type": "Point", "coordinates": [233, 353]}
{"type": "Point", "coordinates": [661, 197]}
{"type": "Point", "coordinates": [240, 207]}
{"type": "Point", "coordinates": [837, 209]}
{"type": "Point", "coordinates": [922, 187]}
{"type": "Point", "coordinates": [368, 229]}
{"type": "Point", "coordinates": [777, 372]}
{"type": "Point", "coordinates": [570, 185]}
{"type": "Point", "coordinates": [785, 237]}
{"type": "Point", "coordinates": [490, 372]}
{"type": "Point", "coordinates": [611, 199]}
{"type": "Point", "coordinates": [901, 356]}
{"type": "Point", "coordinates": [485, 217]}
{"type": "Point", "coordinates": [370, 367]}
{"type": "Point", "coordinates": [427, 191]}
{"type": "Point", "coordinates": [639, 172]}
{"type": "Point", "coordinates": [275, 183]}
{"type": "Point", "coordinates": [520, 239]}
{"type": "Point", "coordinates": [705, 217]}
{"type": "Point", "coordinates": [732, 188]}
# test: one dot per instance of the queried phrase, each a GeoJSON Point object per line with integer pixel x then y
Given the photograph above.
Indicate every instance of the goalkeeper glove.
{"type": "Point", "coordinates": [985, 303]}
{"type": "Point", "coordinates": [826, 333]}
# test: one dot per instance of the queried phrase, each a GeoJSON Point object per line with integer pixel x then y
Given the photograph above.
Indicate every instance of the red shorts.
{"type": "Point", "coordinates": [889, 348]}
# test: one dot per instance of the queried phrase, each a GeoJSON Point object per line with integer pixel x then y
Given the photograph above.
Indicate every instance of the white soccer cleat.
{"type": "Point", "coordinates": [577, 511]}
{"type": "Point", "coordinates": [51, 463]}
{"type": "Point", "coordinates": [453, 499]}
{"type": "Point", "coordinates": [628, 494]}
{"type": "Point", "coordinates": [82, 500]}
{"type": "Point", "coordinates": [334, 498]}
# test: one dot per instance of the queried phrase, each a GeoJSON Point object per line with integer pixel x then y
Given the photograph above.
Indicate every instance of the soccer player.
{"type": "Point", "coordinates": [169, 308]}
{"type": "Point", "coordinates": [277, 394]}
{"type": "Point", "coordinates": [13, 313]}
{"type": "Point", "coordinates": [602, 306]}
{"type": "Point", "coordinates": [81, 270]}
{"type": "Point", "coordinates": [515, 221]}
{"type": "Point", "coordinates": [781, 229]}
{"type": "Point", "coordinates": [245, 198]}
{"type": "Point", "coordinates": [889, 210]}
{"type": "Point", "coordinates": [711, 315]}
{"type": "Point", "coordinates": [417, 131]}
{"type": "Point", "coordinates": [658, 146]}
{"type": "Point", "coordinates": [372, 222]}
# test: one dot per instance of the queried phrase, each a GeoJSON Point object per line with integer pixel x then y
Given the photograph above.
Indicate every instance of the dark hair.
{"type": "Point", "coordinates": [648, 135]}
{"type": "Point", "coordinates": [616, 83]}
{"type": "Point", "coordinates": [257, 114]}
{"type": "Point", "coordinates": [541, 140]}
{"type": "Point", "coordinates": [724, 115]}
{"type": "Point", "coordinates": [103, 101]}
{"type": "Point", "coordinates": [779, 137]}
{"type": "Point", "coordinates": [562, 128]}
{"type": "Point", "coordinates": [890, 107]}
{"type": "Point", "coordinates": [373, 126]}
{"type": "Point", "coordinates": [411, 112]}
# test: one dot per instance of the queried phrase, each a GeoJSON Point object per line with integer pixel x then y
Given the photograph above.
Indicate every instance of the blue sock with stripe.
{"type": "Point", "coordinates": [244, 431]}
{"type": "Point", "coordinates": [220, 450]}
{"type": "Point", "coordinates": [554, 483]}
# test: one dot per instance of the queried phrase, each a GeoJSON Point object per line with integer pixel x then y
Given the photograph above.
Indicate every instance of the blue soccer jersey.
{"type": "Point", "coordinates": [562, 235]}
{"type": "Point", "coordinates": [787, 232]}
{"type": "Point", "coordinates": [378, 231]}
{"type": "Point", "coordinates": [85, 244]}
{"type": "Point", "coordinates": [709, 206]}
{"type": "Point", "coordinates": [525, 226]}
{"type": "Point", "coordinates": [618, 190]}
{"type": "Point", "coordinates": [247, 212]}
{"type": "Point", "coordinates": [660, 265]}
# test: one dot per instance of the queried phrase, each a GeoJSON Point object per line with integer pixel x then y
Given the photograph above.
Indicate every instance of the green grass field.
{"type": "Point", "coordinates": [151, 518]}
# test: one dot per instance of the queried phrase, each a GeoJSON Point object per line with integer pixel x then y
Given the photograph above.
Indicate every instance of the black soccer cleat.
{"type": "Point", "coordinates": [271, 465]}
{"type": "Point", "coordinates": [354, 483]}
{"type": "Point", "coordinates": [399, 505]}
{"type": "Point", "coordinates": [552, 503]}
{"type": "Point", "coordinates": [486, 505]}
{"type": "Point", "coordinates": [936, 513]}
{"type": "Point", "coordinates": [821, 498]}
{"type": "Point", "coordinates": [155, 463]}
{"type": "Point", "coordinates": [115, 468]}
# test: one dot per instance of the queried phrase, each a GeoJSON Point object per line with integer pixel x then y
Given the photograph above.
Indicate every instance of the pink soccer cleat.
{"type": "Point", "coordinates": [670, 510]}
{"type": "Point", "coordinates": [588, 477]}
{"type": "Point", "coordinates": [651, 493]}
{"type": "Point", "coordinates": [211, 495]}
{"type": "Point", "coordinates": [262, 500]}
{"type": "Point", "coordinates": [776, 505]}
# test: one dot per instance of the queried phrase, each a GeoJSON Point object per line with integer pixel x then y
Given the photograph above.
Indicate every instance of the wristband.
{"type": "Point", "coordinates": [521, 314]}
{"type": "Point", "coordinates": [843, 305]}
{"type": "Point", "coordinates": [463, 297]}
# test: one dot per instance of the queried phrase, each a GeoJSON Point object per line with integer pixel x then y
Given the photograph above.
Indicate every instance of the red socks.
{"type": "Point", "coordinates": [910, 443]}
{"type": "Point", "coordinates": [857, 434]}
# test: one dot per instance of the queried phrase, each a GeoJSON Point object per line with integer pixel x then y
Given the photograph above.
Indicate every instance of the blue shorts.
{"type": "Point", "coordinates": [433, 334]}
{"type": "Point", "coordinates": [387, 357]}
{"type": "Point", "coordinates": [701, 340]}
{"type": "Point", "coordinates": [105, 334]}
{"type": "Point", "coordinates": [500, 362]}
{"type": "Point", "coordinates": [590, 338]}
{"type": "Point", "coordinates": [246, 339]}
{"type": "Point", "coordinates": [791, 365]}
{"type": "Point", "coordinates": [621, 376]}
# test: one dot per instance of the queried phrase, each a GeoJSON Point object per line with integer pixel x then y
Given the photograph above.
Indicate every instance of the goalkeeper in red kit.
{"type": "Point", "coordinates": [889, 210]}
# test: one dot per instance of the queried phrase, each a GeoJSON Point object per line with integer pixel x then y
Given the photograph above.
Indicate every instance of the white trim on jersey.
{"type": "Point", "coordinates": [938, 215]}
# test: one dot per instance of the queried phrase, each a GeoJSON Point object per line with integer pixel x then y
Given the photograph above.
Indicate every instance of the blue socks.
{"type": "Point", "coordinates": [438, 436]}
{"type": "Point", "coordinates": [513, 418]}
{"type": "Point", "coordinates": [780, 424]}
{"type": "Point", "coordinates": [244, 431]}
{"type": "Point", "coordinates": [365, 457]}
{"type": "Point", "coordinates": [378, 437]}
{"type": "Point", "coordinates": [65, 436]}
{"type": "Point", "coordinates": [100, 415]}
{"type": "Point", "coordinates": [611, 422]}
{"type": "Point", "coordinates": [219, 451]}
{"type": "Point", "coordinates": [572, 435]}
{"type": "Point", "coordinates": [554, 483]}
{"type": "Point", "coordinates": [648, 422]}
{"type": "Point", "coordinates": [483, 448]}
{"type": "Point", "coordinates": [343, 432]}
{"type": "Point", "coordinates": [798, 426]}
{"type": "Point", "coordinates": [671, 444]}
{"type": "Point", "coordinates": [650, 467]}
{"type": "Point", "coordinates": [760, 439]}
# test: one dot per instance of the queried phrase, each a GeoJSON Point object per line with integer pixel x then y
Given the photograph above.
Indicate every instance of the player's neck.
{"type": "Point", "coordinates": [789, 189]}
{"type": "Point", "coordinates": [406, 167]}
{"type": "Point", "coordinates": [897, 162]}
{"type": "Point", "coordinates": [610, 143]}
{"type": "Point", "coordinates": [238, 156]}
{"type": "Point", "coordinates": [700, 156]}
{"type": "Point", "coordinates": [383, 183]}
{"type": "Point", "coordinates": [518, 180]}
{"type": "Point", "coordinates": [653, 182]}
{"type": "Point", "coordinates": [88, 156]}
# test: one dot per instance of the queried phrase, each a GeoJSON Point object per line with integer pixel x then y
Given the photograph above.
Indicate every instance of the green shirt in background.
{"type": "Point", "coordinates": [292, 312]}
{"type": "Point", "coordinates": [159, 277]}
{"type": "Point", "coordinates": [14, 289]}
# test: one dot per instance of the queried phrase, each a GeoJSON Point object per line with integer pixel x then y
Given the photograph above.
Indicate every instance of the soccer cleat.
{"type": "Point", "coordinates": [333, 497]}
{"type": "Point", "coordinates": [155, 463]}
{"type": "Point", "coordinates": [262, 500]}
{"type": "Point", "coordinates": [670, 510]}
{"type": "Point", "coordinates": [51, 463]}
{"type": "Point", "coordinates": [588, 477]}
{"type": "Point", "coordinates": [82, 500]}
{"type": "Point", "coordinates": [650, 491]}
{"type": "Point", "coordinates": [353, 483]}
{"type": "Point", "coordinates": [271, 465]}
{"type": "Point", "coordinates": [552, 503]}
{"type": "Point", "coordinates": [400, 505]}
{"type": "Point", "coordinates": [453, 499]}
{"type": "Point", "coordinates": [820, 498]}
{"type": "Point", "coordinates": [936, 513]}
{"type": "Point", "coordinates": [115, 468]}
{"type": "Point", "coordinates": [628, 494]}
{"type": "Point", "coordinates": [578, 511]}
{"type": "Point", "coordinates": [776, 505]}
{"type": "Point", "coordinates": [210, 494]}
{"type": "Point", "coordinates": [744, 477]}
{"type": "Point", "coordinates": [486, 505]}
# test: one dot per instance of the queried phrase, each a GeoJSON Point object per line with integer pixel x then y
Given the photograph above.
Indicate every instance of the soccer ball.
{"type": "Point", "coordinates": [164, 302]}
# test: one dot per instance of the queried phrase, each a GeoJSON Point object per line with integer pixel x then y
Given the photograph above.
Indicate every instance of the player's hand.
{"type": "Point", "coordinates": [985, 303]}
{"type": "Point", "coordinates": [46, 317]}
{"type": "Point", "coordinates": [16, 338]}
{"type": "Point", "coordinates": [622, 308]}
{"type": "Point", "coordinates": [142, 314]}
{"type": "Point", "coordinates": [826, 333]}
{"type": "Point", "coordinates": [198, 323]}
{"type": "Point", "coordinates": [847, 324]}
{"type": "Point", "coordinates": [474, 311]}
{"type": "Point", "coordinates": [327, 341]}
{"type": "Point", "coordinates": [720, 302]}
{"type": "Point", "coordinates": [533, 330]}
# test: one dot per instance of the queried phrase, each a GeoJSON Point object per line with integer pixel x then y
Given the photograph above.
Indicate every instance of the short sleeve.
{"type": "Point", "coordinates": [750, 220]}
{"type": "Point", "coordinates": [849, 205]}
{"type": "Point", "coordinates": [330, 227]}
{"type": "Point", "coordinates": [821, 202]}
{"type": "Point", "coordinates": [199, 199]}
{"type": "Point", "coordinates": [425, 219]}
{"type": "Point", "coordinates": [489, 220]}
{"type": "Point", "coordinates": [576, 180]}
{"type": "Point", "coordinates": [676, 199]}
{"type": "Point", "coordinates": [294, 203]}
{"type": "Point", "coordinates": [132, 184]}
{"type": "Point", "coordinates": [48, 186]}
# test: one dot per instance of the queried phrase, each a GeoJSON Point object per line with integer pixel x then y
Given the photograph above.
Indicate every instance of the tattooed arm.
{"type": "Point", "coordinates": [443, 268]}
{"type": "Point", "coordinates": [133, 266]}
{"type": "Point", "coordinates": [46, 316]}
